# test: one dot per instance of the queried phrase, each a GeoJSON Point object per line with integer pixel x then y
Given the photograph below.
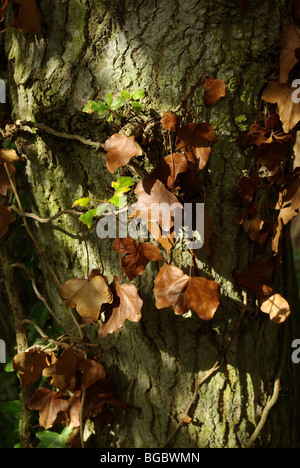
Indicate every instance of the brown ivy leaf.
{"type": "Point", "coordinates": [127, 305]}
{"type": "Point", "coordinates": [253, 228]}
{"type": "Point", "coordinates": [197, 135]}
{"type": "Point", "coordinates": [271, 153]}
{"type": "Point", "coordinates": [156, 204]}
{"type": "Point", "coordinates": [281, 94]}
{"type": "Point", "coordinates": [49, 404]}
{"type": "Point", "coordinates": [4, 180]}
{"type": "Point", "coordinates": [170, 121]}
{"type": "Point", "coordinates": [30, 365]}
{"type": "Point", "coordinates": [120, 149]}
{"type": "Point", "coordinates": [256, 278]}
{"type": "Point", "coordinates": [272, 121]}
{"type": "Point", "coordinates": [289, 192]}
{"type": "Point", "coordinates": [136, 256]}
{"type": "Point", "coordinates": [213, 90]}
{"type": "Point", "coordinates": [63, 371]}
{"type": "Point", "coordinates": [8, 156]}
{"type": "Point", "coordinates": [87, 295]}
{"type": "Point", "coordinates": [255, 136]}
{"type": "Point", "coordinates": [289, 41]}
{"type": "Point", "coordinates": [165, 239]}
{"type": "Point", "coordinates": [247, 188]}
{"type": "Point", "coordinates": [6, 218]}
{"type": "Point", "coordinates": [172, 288]}
{"type": "Point", "coordinates": [28, 18]}
{"type": "Point", "coordinates": [277, 307]}
{"type": "Point", "coordinates": [168, 168]}
{"type": "Point", "coordinates": [92, 371]}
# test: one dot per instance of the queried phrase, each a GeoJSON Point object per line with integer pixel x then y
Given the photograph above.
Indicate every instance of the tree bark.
{"type": "Point", "coordinates": [86, 49]}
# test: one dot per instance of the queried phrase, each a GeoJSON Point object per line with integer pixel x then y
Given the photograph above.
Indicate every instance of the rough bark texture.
{"type": "Point", "coordinates": [86, 49]}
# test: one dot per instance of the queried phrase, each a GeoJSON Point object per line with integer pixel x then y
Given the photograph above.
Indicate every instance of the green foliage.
{"type": "Point", "coordinates": [111, 105]}
{"type": "Point", "coordinates": [51, 439]}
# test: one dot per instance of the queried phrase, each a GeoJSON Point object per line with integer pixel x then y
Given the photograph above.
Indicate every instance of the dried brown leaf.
{"type": "Point", "coordinates": [63, 371]}
{"type": "Point", "coordinates": [277, 307]}
{"type": "Point", "coordinates": [6, 218]}
{"type": "Point", "coordinates": [281, 94]}
{"type": "Point", "coordinates": [30, 365]}
{"type": "Point", "coordinates": [213, 90]}
{"type": "Point", "coordinates": [197, 135]}
{"type": "Point", "coordinates": [120, 149]}
{"type": "Point", "coordinates": [49, 404]}
{"type": "Point", "coordinates": [289, 41]}
{"type": "Point", "coordinates": [170, 121]}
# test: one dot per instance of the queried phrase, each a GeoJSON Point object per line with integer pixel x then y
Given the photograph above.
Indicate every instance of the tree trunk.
{"type": "Point", "coordinates": [86, 49]}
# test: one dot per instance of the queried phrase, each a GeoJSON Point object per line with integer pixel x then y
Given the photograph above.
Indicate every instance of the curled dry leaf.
{"type": "Point", "coordinates": [281, 94]}
{"type": "Point", "coordinates": [289, 41]}
{"type": "Point", "coordinates": [247, 188]}
{"type": "Point", "coordinates": [127, 305]}
{"type": "Point", "coordinates": [30, 365]}
{"type": "Point", "coordinates": [120, 149]}
{"type": "Point", "coordinates": [156, 204]}
{"type": "Point", "coordinates": [168, 168]}
{"type": "Point", "coordinates": [8, 157]}
{"type": "Point", "coordinates": [172, 288]}
{"type": "Point", "coordinates": [253, 228]}
{"type": "Point", "coordinates": [6, 218]}
{"type": "Point", "coordinates": [87, 295]}
{"type": "Point", "coordinates": [49, 404]}
{"type": "Point", "coordinates": [92, 371]}
{"type": "Point", "coordinates": [136, 256]}
{"type": "Point", "coordinates": [273, 151]}
{"type": "Point", "coordinates": [197, 135]}
{"type": "Point", "coordinates": [255, 136]}
{"type": "Point", "coordinates": [170, 121]}
{"type": "Point", "coordinates": [28, 18]}
{"type": "Point", "coordinates": [257, 278]}
{"type": "Point", "coordinates": [213, 90]}
{"type": "Point", "coordinates": [63, 371]}
{"type": "Point", "coordinates": [277, 307]}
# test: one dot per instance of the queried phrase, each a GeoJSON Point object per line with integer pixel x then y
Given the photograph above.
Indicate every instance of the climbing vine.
{"type": "Point", "coordinates": [72, 383]}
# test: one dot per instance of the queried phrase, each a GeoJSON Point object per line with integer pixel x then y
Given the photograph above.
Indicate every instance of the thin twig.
{"type": "Point", "coordinates": [208, 373]}
{"type": "Point", "coordinates": [44, 220]}
{"type": "Point", "coordinates": [271, 402]}
{"type": "Point", "coordinates": [38, 294]}
{"type": "Point", "coordinates": [187, 95]}
{"type": "Point", "coordinates": [27, 227]}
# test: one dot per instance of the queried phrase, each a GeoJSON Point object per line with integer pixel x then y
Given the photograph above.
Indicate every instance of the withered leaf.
{"type": "Point", "coordinates": [87, 295]}
{"type": "Point", "coordinates": [256, 278]}
{"type": "Point", "coordinates": [127, 306]}
{"type": "Point", "coordinates": [197, 135]}
{"type": "Point", "coordinates": [156, 204]}
{"type": "Point", "coordinates": [8, 155]}
{"type": "Point", "coordinates": [271, 153]}
{"type": "Point", "coordinates": [247, 187]}
{"type": "Point", "coordinates": [92, 371]}
{"type": "Point", "coordinates": [289, 111]}
{"type": "Point", "coordinates": [136, 256]}
{"type": "Point", "coordinates": [255, 136]}
{"type": "Point", "coordinates": [63, 371]}
{"type": "Point", "coordinates": [213, 90]}
{"type": "Point", "coordinates": [28, 18]}
{"type": "Point", "coordinates": [277, 307]}
{"type": "Point", "coordinates": [289, 41]}
{"type": "Point", "coordinates": [6, 218]}
{"type": "Point", "coordinates": [30, 365]}
{"type": "Point", "coordinates": [4, 180]}
{"type": "Point", "coordinates": [49, 404]}
{"type": "Point", "coordinates": [253, 228]}
{"type": "Point", "coordinates": [170, 121]}
{"type": "Point", "coordinates": [172, 288]}
{"type": "Point", "coordinates": [168, 168]}
{"type": "Point", "coordinates": [120, 149]}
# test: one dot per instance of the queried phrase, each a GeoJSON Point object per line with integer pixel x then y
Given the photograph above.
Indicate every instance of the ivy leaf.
{"type": "Point", "coordinates": [87, 295]}
{"type": "Point", "coordinates": [83, 202]}
{"type": "Point", "coordinates": [136, 256]}
{"type": "Point", "coordinates": [277, 307]}
{"type": "Point", "coordinates": [256, 278]}
{"type": "Point", "coordinates": [126, 95]}
{"type": "Point", "coordinates": [136, 106]}
{"type": "Point", "coordinates": [196, 135]}
{"type": "Point", "coordinates": [93, 106]}
{"type": "Point", "coordinates": [121, 186]}
{"type": "Point", "coordinates": [51, 439]}
{"type": "Point", "coordinates": [119, 102]}
{"type": "Point", "coordinates": [289, 41]}
{"type": "Point", "coordinates": [213, 90]}
{"type": "Point", "coordinates": [172, 288]}
{"type": "Point", "coordinates": [170, 121]}
{"type": "Point", "coordinates": [126, 306]}
{"type": "Point", "coordinates": [27, 17]}
{"type": "Point", "coordinates": [168, 168]}
{"type": "Point", "coordinates": [87, 218]}
{"type": "Point", "coordinates": [30, 365]}
{"type": "Point", "coordinates": [63, 371]}
{"type": "Point", "coordinates": [120, 149]}
{"type": "Point", "coordinates": [109, 99]}
{"type": "Point", "coordinates": [92, 371]}
{"type": "Point", "coordinates": [49, 404]}
{"type": "Point", "coordinates": [138, 94]}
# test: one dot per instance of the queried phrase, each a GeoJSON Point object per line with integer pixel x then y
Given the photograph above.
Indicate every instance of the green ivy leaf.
{"type": "Point", "coordinates": [138, 94]}
{"type": "Point", "coordinates": [87, 218]}
{"type": "Point", "coordinates": [50, 439]}
{"type": "Point", "coordinates": [126, 95]}
{"type": "Point", "coordinates": [123, 184]}
{"type": "Point", "coordinates": [93, 106]}
{"type": "Point", "coordinates": [81, 202]}
{"type": "Point", "coordinates": [13, 408]}
{"type": "Point", "coordinates": [109, 99]}
{"type": "Point", "coordinates": [119, 102]}
{"type": "Point", "coordinates": [136, 106]}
